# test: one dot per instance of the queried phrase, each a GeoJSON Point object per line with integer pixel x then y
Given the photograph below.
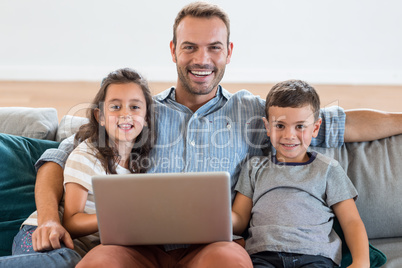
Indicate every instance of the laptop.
{"type": "Point", "coordinates": [163, 208]}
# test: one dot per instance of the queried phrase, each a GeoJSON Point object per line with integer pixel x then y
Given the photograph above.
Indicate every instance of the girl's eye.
{"type": "Point", "coordinates": [135, 107]}
{"type": "Point", "coordinates": [114, 107]}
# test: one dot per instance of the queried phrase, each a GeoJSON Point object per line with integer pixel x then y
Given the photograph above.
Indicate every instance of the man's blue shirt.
{"type": "Point", "coordinates": [219, 136]}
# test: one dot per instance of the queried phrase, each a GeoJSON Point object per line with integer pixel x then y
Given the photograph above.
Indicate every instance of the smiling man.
{"type": "Point", "coordinates": [201, 50]}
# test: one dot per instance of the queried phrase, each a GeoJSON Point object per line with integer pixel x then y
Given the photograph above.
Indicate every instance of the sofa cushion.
{"type": "Point", "coordinates": [376, 171]}
{"type": "Point", "coordinates": [38, 123]}
{"type": "Point", "coordinates": [17, 180]}
{"type": "Point", "coordinates": [69, 125]}
{"type": "Point", "coordinates": [392, 247]}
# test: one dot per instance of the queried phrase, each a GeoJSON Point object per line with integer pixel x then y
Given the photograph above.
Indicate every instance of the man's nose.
{"type": "Point", "coordinates": [201, 56]}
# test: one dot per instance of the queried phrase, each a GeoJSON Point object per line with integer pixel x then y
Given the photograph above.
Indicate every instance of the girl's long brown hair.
{"type": "Point", "coordinates": [108, 155]}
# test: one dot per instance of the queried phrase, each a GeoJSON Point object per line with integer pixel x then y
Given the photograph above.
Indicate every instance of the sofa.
{"type": "Point", "coordinates": [374, 167]}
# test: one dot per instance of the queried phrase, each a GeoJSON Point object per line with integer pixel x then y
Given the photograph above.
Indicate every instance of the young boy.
{"type": "Point", "coordinates": [291, 197]}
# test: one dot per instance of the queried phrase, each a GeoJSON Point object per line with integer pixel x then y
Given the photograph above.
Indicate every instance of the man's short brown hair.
{"type": "Point", "coordinates": [201, 10]}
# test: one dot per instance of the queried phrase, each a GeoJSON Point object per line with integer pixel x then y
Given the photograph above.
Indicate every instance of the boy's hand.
{"type": "Point", "coordinates": [48, 235]}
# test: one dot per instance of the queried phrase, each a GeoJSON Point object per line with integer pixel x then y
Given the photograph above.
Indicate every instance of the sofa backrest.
{"type": "Point", "coordinates": [375, 169]}
{"type": "Point", "coordinates": [69, 125]}
{"type": "Point", "coordinates": [37, 123]}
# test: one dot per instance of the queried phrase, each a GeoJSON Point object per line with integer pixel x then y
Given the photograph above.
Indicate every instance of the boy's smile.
{"type": "Point", "coordinates": [291, 131]}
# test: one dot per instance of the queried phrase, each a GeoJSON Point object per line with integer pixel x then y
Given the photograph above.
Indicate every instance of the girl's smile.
{"type": "Point", "coordinates": [124, 113]}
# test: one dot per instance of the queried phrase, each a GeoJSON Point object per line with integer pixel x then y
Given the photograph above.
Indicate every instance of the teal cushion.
{"type": "Point", "coordinates": [17, 180]}
{"type": "Point", "coordinates": [377, 258]}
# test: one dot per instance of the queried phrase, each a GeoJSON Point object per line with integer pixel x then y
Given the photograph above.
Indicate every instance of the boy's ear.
{"type": "Point", "coordinates": [99, 117]}
{"type": "Point", "coordinates": [316, 128]}
{"type": "Point", "coordinates": [266, 123]}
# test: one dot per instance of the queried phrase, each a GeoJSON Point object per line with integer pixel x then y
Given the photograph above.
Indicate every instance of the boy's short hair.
{"type": "Point", "coordinates": [294, 94]}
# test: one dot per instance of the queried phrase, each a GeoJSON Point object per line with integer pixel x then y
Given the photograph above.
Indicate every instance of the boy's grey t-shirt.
{"type": "Point", "coordinates": [292, 204]}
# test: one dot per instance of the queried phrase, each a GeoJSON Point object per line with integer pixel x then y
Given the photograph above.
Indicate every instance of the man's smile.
{"type": "Point", "coordinates": [201, 73]}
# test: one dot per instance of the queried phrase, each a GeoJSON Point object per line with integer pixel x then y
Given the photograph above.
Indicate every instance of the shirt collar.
{"type": "Point", "coordinates": [312, 155]}
{"type": "Point", "coordinates": [171, 94]}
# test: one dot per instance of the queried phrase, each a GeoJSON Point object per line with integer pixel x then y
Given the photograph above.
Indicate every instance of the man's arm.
{"type": "Point", "coordinates": [48, 193]}
{"type": "Point", "coordinates": [367, 125]}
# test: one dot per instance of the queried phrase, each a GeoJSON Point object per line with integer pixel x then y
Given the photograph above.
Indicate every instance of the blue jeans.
{"type": "Point", "coordinates": [269, 259]}
{"type": "Point", "coordinates": [25, 256]}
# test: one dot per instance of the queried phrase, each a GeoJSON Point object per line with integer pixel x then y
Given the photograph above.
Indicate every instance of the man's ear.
{"type": "Point", "coordinates": [266, 123]}
{"type": "Point", "coordinates": [316, 128]}
{"type": "Point", "coordinates": [99, 117]}
{"type": "Point", "coordinates": [173, 51]}
{"type": "Point", "coordinates": [230, 51]}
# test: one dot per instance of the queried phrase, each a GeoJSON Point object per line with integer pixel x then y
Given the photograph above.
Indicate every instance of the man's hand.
{"type": "Point", "coordinates": [48, 236]}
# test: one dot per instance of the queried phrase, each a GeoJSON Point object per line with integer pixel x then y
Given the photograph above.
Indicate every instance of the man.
{"type": "Point", "coordinates": [201, 127]}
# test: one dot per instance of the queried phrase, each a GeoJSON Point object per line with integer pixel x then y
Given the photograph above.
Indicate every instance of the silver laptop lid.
{"type": "Point", "coordinates": [163, 208]}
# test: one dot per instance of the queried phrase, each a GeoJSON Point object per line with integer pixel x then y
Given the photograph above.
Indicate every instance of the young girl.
{"type": "Point", "coordinates": [114, 141]}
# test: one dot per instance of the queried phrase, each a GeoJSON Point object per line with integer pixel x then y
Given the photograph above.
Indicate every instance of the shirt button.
{"type": "Point", "coordinates": [192, 143]}
{"type": "Point", "coordinates": [229, 126]}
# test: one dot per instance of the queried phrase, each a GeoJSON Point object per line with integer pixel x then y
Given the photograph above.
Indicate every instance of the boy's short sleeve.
{"type": "Point", "coordinates": [340, 187]}
{"type": "Point", "coordinates": [245, 184]}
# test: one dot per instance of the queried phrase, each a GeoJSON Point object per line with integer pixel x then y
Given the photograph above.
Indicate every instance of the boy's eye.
{"type": "Point", "coordinates": [300, 127]}
{"type": "Point", "coordinates": [279, 126]}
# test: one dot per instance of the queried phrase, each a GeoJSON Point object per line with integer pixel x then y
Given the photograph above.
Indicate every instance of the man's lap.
{"type": "Point", "coordinates": [220, 254]}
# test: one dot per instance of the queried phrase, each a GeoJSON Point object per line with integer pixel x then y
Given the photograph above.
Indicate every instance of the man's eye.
{"type": "Point", "coordinates": [216, 48]}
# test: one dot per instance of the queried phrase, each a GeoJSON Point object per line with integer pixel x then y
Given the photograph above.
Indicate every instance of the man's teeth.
{"type": "Point", "coordinates": [199, 73]}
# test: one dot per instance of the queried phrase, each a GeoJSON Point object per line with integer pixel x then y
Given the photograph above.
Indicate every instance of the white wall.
{"type": "Point", "coordinates": [321, 41]}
